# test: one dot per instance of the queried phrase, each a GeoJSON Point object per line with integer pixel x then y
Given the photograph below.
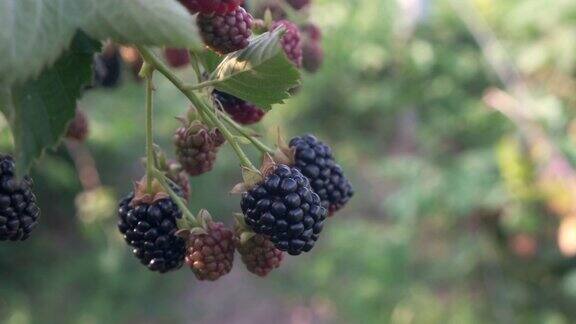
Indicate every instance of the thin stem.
{"type": "Point", "coordinates": [159, 175]}
{"type": "Point", "coordinates": [194, 61]}
{"type": "Point", "coordinates": [148, 71]}
{"type": "Point", "coordinates": [244, 132]}
{"type": "Point", "coordinates": [162, 68]}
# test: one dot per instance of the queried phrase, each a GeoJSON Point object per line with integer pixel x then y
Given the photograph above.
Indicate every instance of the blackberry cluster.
{"type": "Point", "coordinates": [18, 210]}
{"type": "Point", "coordinates": [241, 111]}
{"type": "Point", "coordinates": [78, 127]}
{"type": "Point", "coordinates": [327, 179]}
{"type": "Point", "coordinates": [108, 68]}
{"type": "Point", "coordinates": [211, 255]}
{"type": "Point", "coordinates": [285, 209]}
{"type": "Point", "coordinates": [177, 57]}
{"type": "Point", "coordinates": [259, 255]}
{"type": "Point", "coordinates": [298, 4]}
{"type": "Point", "coordinates": [197, 148]}
{"type": "Point", "coordinates": [291, 43]}
{"type": "Point", "coordinates": [211, 6]}
{"type": "Point", "coordinates": [150, 229]}
{"type": "Point", "coordinates": [226, 33]}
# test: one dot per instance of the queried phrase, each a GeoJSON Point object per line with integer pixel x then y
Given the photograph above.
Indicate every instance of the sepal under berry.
{"type": "Point", "coordinates": [18, 209]}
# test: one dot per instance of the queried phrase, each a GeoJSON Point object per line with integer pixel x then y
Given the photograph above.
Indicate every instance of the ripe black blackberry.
{"type": "Point", "coordinates": [226, 33]}
{"type": "Point", "coordinates": [285, 209]}
{"type": "Point", "coordinates": [298, 4]}
{"type": "Point", "coordinates": [108, 67]}
{"type": "Point", "coordinates": [259, 255]}
{"type": "Point", "coordinates": [210, 255]}
{"type": "Point", "coordinates": [197, 147]}
{"type": "Point", "coordinates": [314, 159]}
{"type": "Point", "coordinates": [150, 227]}
{"type": "Point", "coordinates": [291, 43]}
{"type": "Point", "coordinates": [241, 111]}
{"type": "Point", "coordinates": [18, 210]}
{"type": "Point", "coordinates": [211, 6]}
{"type": "Point", "coordinates": [78, 127]}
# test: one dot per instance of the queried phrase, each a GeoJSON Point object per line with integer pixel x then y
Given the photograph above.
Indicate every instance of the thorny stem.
{"type": "Point", "coordinates": [246, 133]}
{"type": "Point", "coordinates": [159, 175]}
{"type": "Point", "coordinates": [151, 58]}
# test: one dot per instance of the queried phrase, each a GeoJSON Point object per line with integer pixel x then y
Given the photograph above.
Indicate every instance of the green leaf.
{"type": "Point", "coordinates": [210, 60]}
{"type": "Point", "coordinates": [41, 108]}
{"type": "Point", "coordinates": [33, 33]}
{"type": "Point", "coordinates": [261, 73]}
{"type": "Point", "coordinates": [144, 22]}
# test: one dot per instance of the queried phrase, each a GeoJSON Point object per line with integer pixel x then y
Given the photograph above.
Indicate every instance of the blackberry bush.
{"type": "Point", "coordinates": [226, 33]}
{"type": "Point", "coordinates": [241, 111]}
{"type": "Point", "coordinates": [18, 210]}
{"type": "Point", "coordinates": [314, 159]}
{"type": "Point", "coordinates": [285, 209]}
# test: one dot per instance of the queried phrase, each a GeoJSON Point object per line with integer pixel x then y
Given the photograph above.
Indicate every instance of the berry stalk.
{"type": "Point", "coordinates": [150, 58]}
{"type": "Point", "coordinates": [147, 72]}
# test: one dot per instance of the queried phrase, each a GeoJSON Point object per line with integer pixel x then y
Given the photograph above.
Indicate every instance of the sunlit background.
{"type": "Point", "coordinates": [454, 121]}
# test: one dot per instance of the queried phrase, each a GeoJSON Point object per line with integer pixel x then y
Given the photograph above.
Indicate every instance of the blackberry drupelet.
{"type": "Point", "coordinates": [259, 255]}
{"type": "Point", "coordinates": [241, 111]}
{"type": "Point", "coordinates": [211, 255]}
{"type": "Point", "coordinates": [211, 6]}
{"type": "Point", "coordinates": [291, 43]}
{"type": "Point", "coordinates": [226, 33]}
{"type": "Point", "coordinates": [150, 229]}
{"type": "Point", "coordinates": [314, 159]}
{"type": "Point", "coordinates": [285, 209]}
{"type": "Point", "coordinates": [18, 210]}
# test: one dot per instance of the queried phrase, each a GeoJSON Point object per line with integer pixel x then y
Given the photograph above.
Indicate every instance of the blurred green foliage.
{"type": "Point", "coordinates": [447, 225]}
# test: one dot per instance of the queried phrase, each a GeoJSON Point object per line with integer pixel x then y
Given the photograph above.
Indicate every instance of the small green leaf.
{"type": "Point", "coordinates": [261, 73]}
{"type": "Point", "coordinates": [210, 60]}
{"type": "Point", "coordinates": [41, 109]}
